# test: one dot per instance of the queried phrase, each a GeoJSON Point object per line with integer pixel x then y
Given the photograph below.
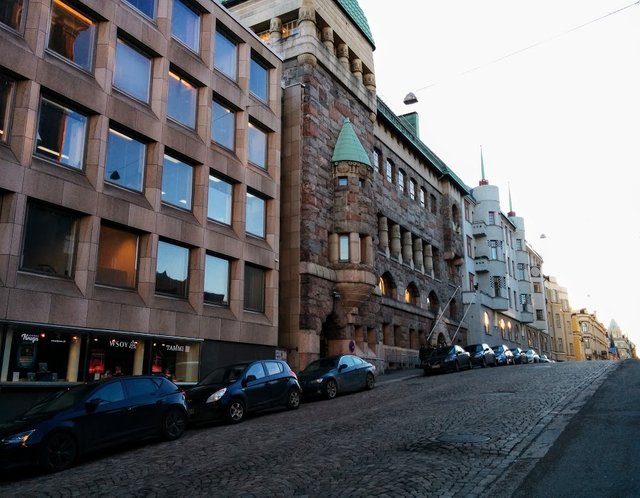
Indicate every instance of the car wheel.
{"type": "Point", "coordinates": [331, 389]}
{"type": "Point", "coordinates": [174, 424]}
{"type": "Point", "coordinates": [293, 399]}
{"type": "Point", "coordinates": [58, 452]}
{"type": "Point", "coordinates": [235, 411]}
{"type": "Point", "coordinates": [371, 381]}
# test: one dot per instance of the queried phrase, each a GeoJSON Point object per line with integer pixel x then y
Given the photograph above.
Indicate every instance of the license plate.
{"type": "Point", "coordinates": [435, 366]}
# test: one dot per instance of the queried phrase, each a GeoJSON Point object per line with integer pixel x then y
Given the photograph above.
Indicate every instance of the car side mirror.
{"type": "Point", "coordinates": [91, 405]}
{"type": "Point", "coordinates": [247, 379]}
{"type": "Point", "coordinates": [343, 366]}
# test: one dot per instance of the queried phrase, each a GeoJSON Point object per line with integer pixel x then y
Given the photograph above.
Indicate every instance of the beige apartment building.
{"type": "Point", "coordinates": [559, 312]}
{"type": "Point", "coordinates": [590, 336]}
{"type": "Point", "coordinates": [139, 189]}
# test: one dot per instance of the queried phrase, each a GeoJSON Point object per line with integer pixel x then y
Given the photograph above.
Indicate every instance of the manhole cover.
{"type": "Point", "coordinates": [463, 438]}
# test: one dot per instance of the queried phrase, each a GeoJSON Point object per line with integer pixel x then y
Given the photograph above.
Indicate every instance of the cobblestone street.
{"type": "Point", "coordinates": [474, 433]}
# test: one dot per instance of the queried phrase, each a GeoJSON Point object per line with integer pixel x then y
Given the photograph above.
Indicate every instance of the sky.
{"type": "Point", "coordinates": [550, 91]}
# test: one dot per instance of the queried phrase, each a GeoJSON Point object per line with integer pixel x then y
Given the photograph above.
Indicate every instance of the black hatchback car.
{"type": "Point", "coordinates": [337, 374]}
{"type": "Point", "coordinates": [446, 359]}
{"type": "Point", "coordinates": [481, 354]}
{"type": "Point", "coordinates": [82, 418]}
{"type": "Point", "coordinates": [233, 391]}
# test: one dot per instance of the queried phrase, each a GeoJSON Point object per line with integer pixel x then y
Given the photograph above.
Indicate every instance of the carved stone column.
{"type": "Point", "coordinates": [354, 247]}
{"type": "Point", "coordinates": [343, 54]}
{"type": "Point", "coordinates": [356, 68]}
{"type": "Point", "coordinates": [417, 254]}
{"type": "Point", "coordinates": [307, 18]}
{"type": "Point", "coordinates": [407, 248]}
{"type": "Point", "coordinates": [395, 243]}
{"type": "Point", "coordinates": [369, 81]}
{"type": "Point", "coordinates": [275, 30]}
{"type": "Point", "coordinates": [383, 234]}
{"type": "Point", "coordinates": [428, 260]}
{"type": "Point", "coordinates": [327, 38]}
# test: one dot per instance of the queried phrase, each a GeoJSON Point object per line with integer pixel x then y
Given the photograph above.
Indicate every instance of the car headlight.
{"type": "Point", "coordinates": [318, 381]}
{"type": "Point", "coordinates": [20, 438]}
{"type": "Point", "coordinates": [216, 395]}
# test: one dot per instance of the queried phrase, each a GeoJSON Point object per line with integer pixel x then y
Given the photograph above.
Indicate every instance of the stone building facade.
{"type": "Point", "coordinates": [371, 246]}
{"type": "Point", "coordinates": [559, 319]}
{"type": "Point", "coordinates": [139, 189]}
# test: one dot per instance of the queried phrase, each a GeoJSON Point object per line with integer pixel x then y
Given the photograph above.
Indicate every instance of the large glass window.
{"type": "Point", "coordinates": [172, 269]}
{"type": "Point", "coordinates": [254, 280]}
{"type": "Point", "coordinates": [6, 96]}
{"type": "Point", "coordinates": [176, 360]}
{"type": "Point", "coordinates": [344, 247]}
{"type": "Point", "coordinates": [61, 134]}
{"type": "Point", "coordinates": [71, 34]}
{"type": "Point", "coordinates": [177, 181]}
{"type": "Point", "coordinates": [216, 280]}
{"type": "Point", "coordinates": [11, 13]}
{"type": "Point", "coordinates": [147, 7]}
{"type": "Point", "coordinates": [132, 73]}
{"type": "Point", "coordinates": [220, 200]}
{"type": "Point", "coordinates": [185, 25]}
{"type": "Point", "coordinates": [257, 146]}
{"type": "Point", "coordinates": [223, 125]}
{"type": "Point", "coordinates": [49, 241]}
{"type": "Point", "coordinates": [125, 161]}
{"type": "Point", "coordinates": [182, 100]}
{"type": "Point", "coordinates": [117, 257]}
{"type": "Point", "coordinates": [225, 58]}
{"type": "Point", "coordinates": [256, 214]}
{"type": "Point", "coordinates": [259, 80]}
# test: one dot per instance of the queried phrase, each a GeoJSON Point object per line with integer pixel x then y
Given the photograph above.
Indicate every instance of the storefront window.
{"type": "Point", "coordinates": [117, 355]}
{"type": "Point", "coordinates": [176, 360]}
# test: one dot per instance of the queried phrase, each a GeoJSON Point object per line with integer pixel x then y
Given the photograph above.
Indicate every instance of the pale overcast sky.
{"type": "Point", "coordinates": [551, 91]}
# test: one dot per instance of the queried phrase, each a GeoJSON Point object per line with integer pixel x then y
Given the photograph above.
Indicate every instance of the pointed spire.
{"type": "Point", "coordinates": [483, 180]}
{"type": "Point", "coordinates": [511, 211]}
{"type": "Point", "coordinates": [348, 146]}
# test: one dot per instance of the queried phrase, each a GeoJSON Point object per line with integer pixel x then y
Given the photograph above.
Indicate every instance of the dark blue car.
{"type": "Point", "coordinates": [233, 391]}
{"type": "Point", "coordinates": [56, 431]}
{"type": "Point", "coordinates": [337, 374]}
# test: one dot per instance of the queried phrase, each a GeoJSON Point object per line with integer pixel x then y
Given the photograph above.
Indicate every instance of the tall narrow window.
{"type": "Point", "coordinates": [412, 189]}
{"type": "Point", "coordinates": [71, 34]}
{"type": "Point", "coordinates": [256, 215]}
{"type": "Point", "coordinates": [344, 248]}
{"type": "Point", "coordinates": [61, 134]}
{"type": "Point", "coordinates": [172, 269]}
{"type": "Point", "coordinates": [125, 161]}
{"type": "Point", "coordinates": [117, 257]}
{"type": "Point", "coordinates": [492, 218]}
{"type": "Point", "coordinates": [493, 246]}
{"type": "Point", "coordinates": [225, 58]}
{"type": "Point", "coordinates": [434, 204]}
{"type": "Point", "coordinates": [220, 200]}
{"type": "Point", "coordinates": [132, 73]}
{"type": "Point", "coordinates": [389, 171]}
{"type": "Point", "coordinates": [177, 182]}
{"type": "Point", "coordinates": [6, 96]}
{"type": "Point", "coordinates": [469, 247]}
{"type": "Point", "coordinates": [185, 25]}
{"type": "Point", "coordinates": [49, 241]}
{"type": "Point", "coordinates": [423, 198]}
{"type": "Point", "coordinates": [259, 80]}
{"type": "Point", "coordinates": [223, 125]}
{"type": "Point", "coordinates": [11, 13]}
{"type": "Point", "coordinates": [401, 180]}
{"type": "Point", "coordinates": [257, 146]}
{"type": "Point", "coordinates": [254, 288]}
{"type": "Point", "coordinates": [182, 100]}
{"type": "Point", "coordinates": [216, 280]}
{"type": "Point", "coordinates": [147, 7]}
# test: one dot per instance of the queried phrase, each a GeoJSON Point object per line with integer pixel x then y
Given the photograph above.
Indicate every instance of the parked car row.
{"type": "Point", "coordinates": [87, 417]}
{"type": "Point", "coordinates": [456, 358]}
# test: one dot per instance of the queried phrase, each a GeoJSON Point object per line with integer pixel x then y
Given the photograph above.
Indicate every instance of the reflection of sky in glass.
{"type": "Point", "coordinates": [225, 55]}
{"type": "Point", "coordinates": [223, 125]}
{"type": "Point", "coordinates": [147, 7]}
{"type": "Point", "coordinates": [132, 72]}
{"type": "Point", "coordinates": [125, 161]}
{"type": "Point", "coordinates": [255, 215]}
{"type": "Point", "coordinates": [176, 182]}
{"type": "Point", "coordinates": [71, 34]}
{"type": "Point", "coordinates": [174, 260]}
{"type": "Point", "coordinates": [220, 198]}
{"type": "Point", "coordinates": [181, 104]}
{"type": "Point", "coordinates": [61, 134]}
{"type": "Point", "coordinates": [257, 146]}
{"type": "Point", "coordinates": [216, 276]}
{"type": "Point", "coordinates": [185, 25]}
{"type": "Point", "coordinates": [258, 80]}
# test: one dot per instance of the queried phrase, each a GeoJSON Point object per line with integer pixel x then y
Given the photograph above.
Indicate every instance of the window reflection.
{"type": "Point", "coordinates": [61, 134]}
{"type": "Point", "coordinates": [71, 34]}
{"type": "Point", "coordinates": [172, 269]}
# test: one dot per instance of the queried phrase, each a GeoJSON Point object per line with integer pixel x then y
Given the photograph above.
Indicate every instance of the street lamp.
{"type": "Point", "coordinates": [410, 98]}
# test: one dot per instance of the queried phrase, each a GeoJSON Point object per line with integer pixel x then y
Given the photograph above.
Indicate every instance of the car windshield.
{"type": "Point", "coordinates": [59, 400]}
{"type": "Point", "coordinates": [497, 349]}
{"type": "Point", "coordinates": [321, 364]}
{"type": "Point", "coordinates": [442, 351]}
{"type": "Point", "coordinates": [224, 375]}
{"type": "Point", "coordinates": [474, 347]}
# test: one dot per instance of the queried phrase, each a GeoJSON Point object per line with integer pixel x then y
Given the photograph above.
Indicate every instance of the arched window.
{"type": "Point", "coordinates": [433, 302]}
{"type": "Point", "coordinates": [387, 285]}
{"type": "Point", "coordinates": [412, 295]}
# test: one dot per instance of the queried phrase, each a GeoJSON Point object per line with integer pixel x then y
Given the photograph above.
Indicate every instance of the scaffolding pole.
{"type": "Point", "coordinates": [442, 313]}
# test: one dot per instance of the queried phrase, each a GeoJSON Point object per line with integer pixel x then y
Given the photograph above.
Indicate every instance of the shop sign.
{"type": "Point", "coordinates": [180, 348]}
{"type": "Point", "coordinates": [29, 337]}
{"type": "Point", "coordinates": [114, 343]}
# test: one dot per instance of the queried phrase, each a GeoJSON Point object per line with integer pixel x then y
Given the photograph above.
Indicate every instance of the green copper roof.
{"type": "Point", "coordinates": [418, 146]}
{"type": "Point", "coordinates": [354, 11]}
{"type": "Point", "coordinates": [348, 146]}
